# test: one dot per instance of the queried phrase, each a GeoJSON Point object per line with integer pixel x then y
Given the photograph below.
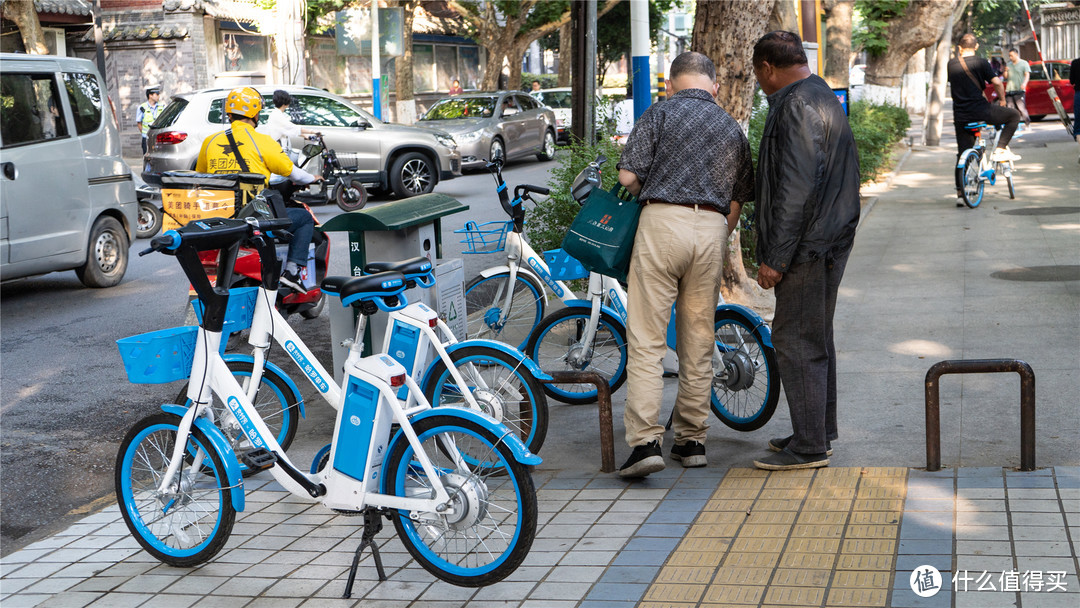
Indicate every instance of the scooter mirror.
{"type": "Point", "coordinates": [312, 149]}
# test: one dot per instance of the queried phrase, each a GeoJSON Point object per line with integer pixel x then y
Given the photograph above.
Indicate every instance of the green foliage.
{"type": "Point", "coordinates": [547, 222]}
{"type": "Point", "coordinates": [875, 16]}
{"type": "Point", "coordinates": [876, 128]}
{"type": "Point", "coordinates": [547, 81]}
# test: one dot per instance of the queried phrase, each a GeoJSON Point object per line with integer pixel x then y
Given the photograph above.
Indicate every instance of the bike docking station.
{"type": "Point", "coordinates": [396, 231]}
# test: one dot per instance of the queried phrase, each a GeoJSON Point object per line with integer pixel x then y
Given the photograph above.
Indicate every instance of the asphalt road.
{"type": "Point", "coordinates": [65, 402]}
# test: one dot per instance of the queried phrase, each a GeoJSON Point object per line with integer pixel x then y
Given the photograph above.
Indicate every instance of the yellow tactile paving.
{"type": "Point", "coordinates": [819, 538]}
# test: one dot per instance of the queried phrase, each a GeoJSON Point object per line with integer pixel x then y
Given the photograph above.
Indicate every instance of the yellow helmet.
{"type": "Point", "coordinates": [244, 101]}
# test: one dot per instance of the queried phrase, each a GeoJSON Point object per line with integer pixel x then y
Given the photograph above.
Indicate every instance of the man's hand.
{"type": "Point", "coordinates": [767, 277]}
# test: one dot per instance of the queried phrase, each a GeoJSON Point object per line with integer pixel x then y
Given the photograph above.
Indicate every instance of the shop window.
{"type": "Point", "coordinates": [446, 64]}
{"type": "Point", "coordinates": [243, 52]}
{"type": "Point", "coordinates": [31, 109]}
{"type": "Point", "coordinates": [84, 92]}
{"type": "Point", "coordinates": [469, 67]}
{"type": "Point", "coordinates": [424, 68]}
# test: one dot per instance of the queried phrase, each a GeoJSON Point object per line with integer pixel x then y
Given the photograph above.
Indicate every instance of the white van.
{"type": "Point", "coordinates": [67, 199]}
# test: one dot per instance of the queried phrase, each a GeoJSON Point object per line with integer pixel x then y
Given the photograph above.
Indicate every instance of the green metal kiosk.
{"type": "Point", "coordinates": [396, 231]}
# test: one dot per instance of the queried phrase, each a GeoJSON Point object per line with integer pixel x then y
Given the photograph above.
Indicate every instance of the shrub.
{"type": "Point", "coordinates": [876, 128]}
{"type": "Point", "coordinates": [547, 81]}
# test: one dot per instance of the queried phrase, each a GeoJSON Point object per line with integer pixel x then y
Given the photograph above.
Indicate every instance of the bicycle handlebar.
{"type": "Point", "coordinates": [216, 233]}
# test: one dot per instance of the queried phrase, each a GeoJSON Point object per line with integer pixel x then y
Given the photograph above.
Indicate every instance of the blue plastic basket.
{"type": "Point", "coordinates": [489, 237]}
{"type": "Point", "coordinates": [159, 356]}
{"type": "Point", "coordinates": [239, 313]}
{"type": "Point", "coordinates": [563, 266]}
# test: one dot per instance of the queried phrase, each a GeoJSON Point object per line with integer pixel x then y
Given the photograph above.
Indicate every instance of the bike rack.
{"type": "Point", "coordinates": [603, 398]}
{"type": "Point", "coordinates": [981, 366]}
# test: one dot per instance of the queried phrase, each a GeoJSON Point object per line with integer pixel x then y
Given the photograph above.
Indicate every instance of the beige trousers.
{"type": "Point", "coordinates": [678, 255]}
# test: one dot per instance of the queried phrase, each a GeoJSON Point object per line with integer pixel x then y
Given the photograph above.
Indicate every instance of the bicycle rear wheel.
{"type": "Point", "coordinates": [485, 298]}
{"type": "Point", "coordinates": [489, 525]}
{"type": "Point", "coordinates": [189, 523]}
{"type": "Point", "coordinates": [972, 184]}
{"type": "Point", "coordinates": [746, 386]}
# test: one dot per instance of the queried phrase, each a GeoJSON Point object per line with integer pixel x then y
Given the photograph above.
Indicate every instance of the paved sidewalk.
{"type": "Point", "coordinates": [926, 282]}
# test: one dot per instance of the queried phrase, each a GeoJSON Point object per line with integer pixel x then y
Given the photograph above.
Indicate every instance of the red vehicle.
{"type": "Point", "coordinates": [1038, 101]}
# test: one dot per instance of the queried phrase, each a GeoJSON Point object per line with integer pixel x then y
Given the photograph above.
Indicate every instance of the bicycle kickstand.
{"type": "Point", "coordinates": [372, 526]}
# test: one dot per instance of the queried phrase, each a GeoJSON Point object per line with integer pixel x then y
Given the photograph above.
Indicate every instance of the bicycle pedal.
{"type": "Point", "coordinates": [258, 459]}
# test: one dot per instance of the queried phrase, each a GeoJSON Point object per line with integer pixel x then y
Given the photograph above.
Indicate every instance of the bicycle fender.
{"type": "Point", "coordinates": [760, 326]}
{"type": "Point", "coordinates": [963, 156]}
{"type": "Point", "coordinates": [529, 364]}
{"type": "Point", "coordinates": [276, 370]}
{"type": "Point", "coordinates": [612, 314]}
{"type": "Point", "coordinates": [221, 444]}
{"type": "Point", "coordinates": [318, 456]}
{"type": "Point", "coordinates": [524, 269]}
{"type": "Point", "coordinates": [517, 447]}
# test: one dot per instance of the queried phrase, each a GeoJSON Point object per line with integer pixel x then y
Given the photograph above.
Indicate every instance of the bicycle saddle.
{"type": "Point", "coordinates": [413, 268]}
{"type": "Point", "coordinates": [368, 287]}
{"type": "Point", "coordinates": [973, 126]}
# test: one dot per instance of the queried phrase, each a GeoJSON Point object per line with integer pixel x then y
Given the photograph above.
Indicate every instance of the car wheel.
{"type": "Point", "coordinates": [107, 255]}
{"type": "Point", "coordinates": [497, 150]}
{"type": "Point", "coordinates": [413, 174]}
{"type": "Point", "coordinates": [548, 151]}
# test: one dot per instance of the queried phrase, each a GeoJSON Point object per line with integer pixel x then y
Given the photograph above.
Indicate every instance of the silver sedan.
{"type": "Point", "coordinates": [510, 124]}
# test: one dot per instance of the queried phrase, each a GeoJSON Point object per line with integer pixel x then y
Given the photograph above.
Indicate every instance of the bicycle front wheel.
{"type": "Point", "coordinates": [1007, 170]}
{"type": "Point", "coordinates": [557, 345]}
{"type": "Point", "coordinates": [501, 384]}
{"type": "Point", "coordinates": [972, 184]}
{"type": "Point", "coordinates": [485, 303]}
{"type": "Point", "coordinates": [190, 521]}
{"type": "Point", "coordinates": [746, 382]}
{"type": "Point", "coordinates": [275, 401]}
{"type": "Point", "coordinates": [489, 525]}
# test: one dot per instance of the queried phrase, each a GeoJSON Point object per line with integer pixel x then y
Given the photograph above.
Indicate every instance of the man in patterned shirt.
{"type": "Point", "coordinates": [689, 164]}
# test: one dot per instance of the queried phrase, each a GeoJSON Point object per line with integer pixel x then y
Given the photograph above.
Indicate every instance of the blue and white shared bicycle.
{"type": "Point", "coordinates": [455, 482]}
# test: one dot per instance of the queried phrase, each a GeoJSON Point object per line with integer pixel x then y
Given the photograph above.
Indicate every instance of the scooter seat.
{"type": "Point", "coordinates": [413, 268]}
{"type": "Point", "coordinates": [367, 287]}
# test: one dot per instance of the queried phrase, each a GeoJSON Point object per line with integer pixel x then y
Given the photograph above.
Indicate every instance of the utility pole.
{"type": "Point", "coordinates": [583, 73]}
{"type": "Point", "coordinates": [376, 75]}
{"type": "Point", "coordinates": [639, 56]}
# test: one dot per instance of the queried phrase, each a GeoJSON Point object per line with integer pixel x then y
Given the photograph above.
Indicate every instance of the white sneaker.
{"type": "Point", "coordinates": [1004, 155]}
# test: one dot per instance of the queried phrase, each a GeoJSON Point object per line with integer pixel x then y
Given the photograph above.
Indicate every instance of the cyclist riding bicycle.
{"type": "Point", "coordinates": [967, 75]}
{"type": "Point", "coordinates": [241, 148]}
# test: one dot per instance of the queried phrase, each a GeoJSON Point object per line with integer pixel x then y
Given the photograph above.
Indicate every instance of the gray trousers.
{"type": "Point", "coordinates": [805, 355]}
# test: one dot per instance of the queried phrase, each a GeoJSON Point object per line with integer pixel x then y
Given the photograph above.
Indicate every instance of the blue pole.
{"type": "Point", "coordinates": [639, 56]}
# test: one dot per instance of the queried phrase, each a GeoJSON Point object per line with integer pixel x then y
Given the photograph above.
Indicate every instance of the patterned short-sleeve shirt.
{"type": "Point", "coordinates": [687, 149]}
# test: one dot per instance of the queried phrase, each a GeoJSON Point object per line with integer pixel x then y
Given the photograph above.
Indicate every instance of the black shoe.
{"type": "Point", "coordinates": [690, 454]}
{"type": "Point", "coordinates": [775, 445]}
{"type": "Point", "coordinates": [293, 282]}
{"type": "Point", "coordinates": [643, 460]}
{"type": "Point", "coordinates": [786, 460]}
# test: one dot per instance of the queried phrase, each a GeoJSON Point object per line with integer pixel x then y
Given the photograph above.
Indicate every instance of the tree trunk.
{"type": "Point", "coordinates": [837, 42]}
{"type": "Point", "coordinates": [934, 120]}
{"type": "Point", "coordinates": [516, 56]}
{"type": "Point", "coordinates": [783, 17]}
{"type": "Point", "coordinates": [918, 28]}
{"type": "Point", "coordinates": [496, 53]}
{"type": "Point", "coordinates": [24, 16]}
{"type": "Point", "coordinates": [726, 31]}
{"type": "Point", "coordinates": [403, 66]}
{"type": "Point", "coordinates": [565, 49]}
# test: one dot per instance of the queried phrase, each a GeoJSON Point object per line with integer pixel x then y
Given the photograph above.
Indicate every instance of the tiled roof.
{"type": "Point", "coordinates": [64, 7]}
{"type": "Point", "coordinates": [145, 31]}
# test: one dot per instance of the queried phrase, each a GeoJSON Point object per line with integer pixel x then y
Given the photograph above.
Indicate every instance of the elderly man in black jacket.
{"type": "Point", "coordinates": [807, 210]}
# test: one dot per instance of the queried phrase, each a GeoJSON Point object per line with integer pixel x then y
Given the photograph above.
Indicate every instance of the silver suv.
{"type": "Point", "coordinates": [405, 160]}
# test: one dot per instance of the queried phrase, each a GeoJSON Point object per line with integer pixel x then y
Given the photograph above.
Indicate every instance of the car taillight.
{"type": "Point", "coordinates": [170, 137]}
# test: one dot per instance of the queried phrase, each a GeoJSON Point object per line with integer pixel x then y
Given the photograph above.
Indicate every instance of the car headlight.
{"type": "Point", "coordinates": [470, 137]}
{"type": "Point", "coordinates": [446, 140]}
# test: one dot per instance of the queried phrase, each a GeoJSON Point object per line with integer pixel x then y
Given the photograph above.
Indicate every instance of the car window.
{"type": "Point", "coordinates": [556, 99]}
{"type": "Point", "coordinates": [215, 115]}
{"type": "Point", "coordinates": [312, 110]}
{"type": "Point", "coordinates": [30, 109]}
{"type": "Point", "coordinates": [1037, 72]}
{"type": "Point", "coordinates": [1063, 71]}
{"type": "Point", "coordinates": [171, 112]}
{"type": "Point", "coordinates": [527, 102]}
{"type": "Point", "coordinates": [461, 107]}
{"type": "Point", "coordinates": [84, 92]}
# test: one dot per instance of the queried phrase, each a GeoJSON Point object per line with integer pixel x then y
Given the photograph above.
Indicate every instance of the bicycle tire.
{"type": "Point", "coordinates": [483, 304]}
{"type": "Point", "coordinates": [487, 532]}
{"type": "Point", "coordinates": [743, 397]}
{"type": "Point", "coordinates": [165, 525]}
{"type": "Point", "coordinates": [275, 401]}
{"type": "Point", "coordinates": [350, 195]}
{"type": "Point", "coordinates": [515, 399]}
{"type": "Point", "coordinates": [973, 185]}
{"type": "Point", "coordinates": [558, 338]}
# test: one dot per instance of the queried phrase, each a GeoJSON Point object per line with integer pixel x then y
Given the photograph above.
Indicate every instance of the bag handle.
{"type": "Point", "coordinates": [236, 151]}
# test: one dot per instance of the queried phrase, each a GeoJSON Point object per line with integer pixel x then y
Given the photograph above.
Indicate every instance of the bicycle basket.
{"type": "Point", "coordinates": [563, 266]}
{"type": "Point", "coordinates": [239, 313]}
{"type": "Point", "coordinates": [159, 356]}
{"type": "Point", "coordinates": [489, 237]}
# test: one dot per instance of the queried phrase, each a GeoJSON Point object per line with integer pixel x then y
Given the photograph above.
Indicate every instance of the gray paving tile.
{"type": "Point", "coordinates": [563, 531]}
{"type": "Point", "coordinates": [610, 494]}
{"type": "Point", "coordinates": [600, 544]}
{"type": "Point", "coordinates": [586, 558]}
{"type": "Point", "coordinates": [504, 591]}
{"type": "Point", "coordinates": [574, 574]}
{"type": "Point", "coordinates": [926, 547]}
{"type": "Point", "coordinates": [634, 506]}
{"type": "Point", "coordinates": [525, 574]}
{"type": "Point", "coordinates": [69, 599]}
{"type": "Point", "coordinates": [578, 505]}
{"type": "Point", "coordinates": [1038, 532]}
{"type": "Point", "coordinates": [937, 504]}
{"type": "Point", "coordinates": [967, 483]}
{"type": "Point", "coordinates": [1038, 506]}
{"type": "Point", "coordinates": [1033, 548]}
{"type": "Point", "coordinates": [980, 505]}
{"type": "Point", "coordinates": [572, 518]}
{"type": "Point", "coordinates": [396, 590]}
{"type": "Point", "coordinates": [274, 602]}
{"type": "Point", "coordinates": [612, 531]}
{"type": "Point", "coordinates": [19, 600]}
{"type": "Point", "coordinates": [194, 584]}
{"type": "Point", "coordinates": [910, 562]}
{"type": "Point", "coordinates": [52, 584]}
{"type": "Point", "coordinates": [665, 530]}
{"type": "Point", "coordinates": [294, 588]}
{"type": "Point", "coordinates": [629, 574]}
{"type": "Point", "coordinates": [630, 592]}
{"type": "Point", "coordinates": [560, 590]}
{"type": "Point", "coordinates": [1049, 600]}
{"type": "Point", "coordinates": [985, 599]}
{"type": "Point", "coordinates": [639, 558]}
{"type": "Point", "coordinates": [982, 532]}
{"type": "Point", "coordinates": [1033, 493]}
{"type": "Point", "coordinates": [606, 604]}
{"type": "Point", "coordinates": [14, 585]}
{"type": "Point", "coordinates": [979, 472]}
{"type": "Point", "coordinates": [982, 518]}
{"type": "Point", "coordinates": [995, 564]}
{"type": "Point", "coordinates": [983, 547]}
{"type": "Point", "coordinates": [1029, 482]}
{"type": "Point", "coordinates": [121, 600]}
{"type": "Point", "coordinates": [147, 583]}
{"type": "Point", "coordinates": [664, 516]}
{"type": "Point", "coordinates": [441, 590]}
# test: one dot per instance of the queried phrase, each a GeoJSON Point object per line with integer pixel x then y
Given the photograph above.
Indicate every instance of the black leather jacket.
{"type": "Point", "coordinates": [807, 178]}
